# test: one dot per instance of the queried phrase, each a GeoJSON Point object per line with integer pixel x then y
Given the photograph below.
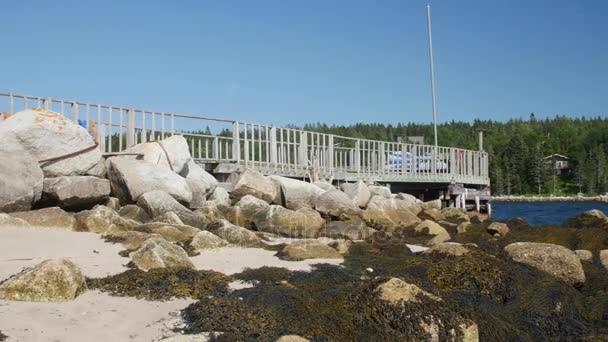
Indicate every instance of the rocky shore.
{"type": "Point", "coordinates": [150, 247]}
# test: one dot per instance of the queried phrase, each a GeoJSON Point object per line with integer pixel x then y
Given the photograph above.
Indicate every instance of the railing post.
{"type": "Point", "coordinates": [130, 128]}
{"type": "Point", "coordinates": [236, 142]}
{"type": "Point", "coordinates": [382, 158]}
{"type": "Point", "coordinates": [11, 104]}
{"type": "Point", "coordinates": [273, 146]}
{"type": "Point", "coordinates": [358, 156]}
{"type": "Point", "coordinates": [75, 112]}
{"type": "Point", "coordinates": [47, 103]}
{"type": "Point", "coordinates": [216, 148]}
{"type": "Point", "coordinates": [303, 150]}
{"type": "Point", "coordinates": [330, 151]}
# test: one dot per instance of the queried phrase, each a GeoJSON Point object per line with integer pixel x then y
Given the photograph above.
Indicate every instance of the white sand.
{"type": "Point", "coordinates": [26, 247]}
{"type": "Point", "coordinates": [92, 317]}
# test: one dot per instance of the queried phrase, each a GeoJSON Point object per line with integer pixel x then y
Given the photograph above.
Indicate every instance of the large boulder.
{"type": "Point", "coordinates": [336, 203]}
{"type": "Point", "coordinates": [434, 204]}
{"type": "Point", "coordinates": [352, 229]}
{"type": "Point", "coordinates": [377, 190]}
{"type": "Point", "coordinates": [324, 185]}
{"type": "Point", "coordinates": [455, 215]}
{"type": "Point", "coordinates": [208, 215]}
{"type": "Point", "coordinates": [432, 214]}
{"type": "Point", "coordinates": [171, 153]}
{"type": "Point", "coordinates": [158, 202]}
{"type": "Point", "coordinates": [358, 192]}
{"type": "Point", "coordinates": [408, 198]}
{"type": "Point", "coordinates": [53, 280]}
{"type": "Point", "coordinates": [497, 229]}
{"type": "Point", "coordinates": [553, 259]}
{"type": "Point", "coordinates": [160, 253]}
{"type": "Point", "coordinates": [132, 178]}
{"type": "Point", "coordinates": [53, 217]}
{"type": "Point", "coordinates": [45, 134]}
{"type": "Point", "coordinates": [171, 232]}
{"type": "Point", "coordinates": [76, 191]}
{"type": "Point", "coordinates": [308, 249]}
{"type": "Point", "coordinates": [592, 218]}
{"type": "Point", "coordinates": [199, 193]}
{"type": "Point", "coordinates": [99, 219]}
{"type": "Point", "coordinates": [251, 182]}
{"type": "Point", "coordinates": [235, 235]}
{"type": "Point", "coordinates": [20, 179]}
{"type": "Point", "coordinates": [389, 214]}
{"type": "Point", "coordinates": [168, 218]}
{"type": "Point", "coordinates": [248, 207]}
{"type": "Point", "coordinates": [207, 240]}
{"type": "Point", "coordinates": [195, 172]}
{"type": "Point", "coordinates": [220, 196]}
{"type": "Point", "coordinates": [303, 222]}
{"type": "Point", "coordinates": [134, 212]}
{"type": "Point", "coordinates": [293, 193]}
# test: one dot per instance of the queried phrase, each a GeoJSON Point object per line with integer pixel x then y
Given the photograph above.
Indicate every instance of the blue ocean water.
{"type": "Point", "coordinates": [539, 213]}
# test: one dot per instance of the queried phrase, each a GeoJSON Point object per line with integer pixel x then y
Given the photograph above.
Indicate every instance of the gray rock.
{"type": "Point", "coordinates": [249, 207]}
{"type": "Point", "coordinates": [98, 170]}
{"type": "Point", "coordinates": [293, 193]}
{"type": "Point", "coordinates": [342, 246]}
{"type": "Point", "coordinates": [53, 280]}
{"type": "Point", "coordinates": [194, 171]}
{"type": "Point", "coordinates": [76, 191]}
{"type": "Point", "coordinates": [160, 253]}
{"type": "Point", "coordinates": [409, 198]}
{"type": "Point", "coordinates": [455, 215]}
{"type": "Point", "coordinates": [53, 217]}
{"type": "Point", "coordinates": [553, 259]}
{"type": "Point", "coordinates": [382, 191]}
{"type": "Point", "coordinates": [171, 153]}
{"type": "Point", "coordinates": [45, 134]}
{"type": "Point", "coordinates": [113, 203]}
{"type": "Point", "coordinates": [235, 235]}
{"type": "Point", "coordinates": [498, 228]}
{"type": "Point", "coordinates": [158, 202]}
{"type": "Point", "coordinates": [432, 214]}
{"type": "Point", "coordinates": [207, 240]}
{"type": "Point", "coordinates": [208, 215]}
{"type": "Point", "coordinates": [584, 255]}
{"type": "Point", "coordinates": [199, 190]}
{"type": "Point", "coordinates": [308, 249]}
{"type": "Point", "coordinates": [353, 230]}
{"type": "Point", "coordinates": [132, 178]}
{"type": "Point", "coordinates": [20, 179]}
{"type": "Point", "coordinates": [440, 235]}
{"type": "Point", "coordinates": [336, 203]}
{"type": "Point", "coordinates": [358, 192]}
{"type": "Point", "coordinates": [251, 182]}
{"type": "Point", "coordinates": [168, 217]}
{"type": "Point", "coordinates": [134, 212]}
{"type": "Point", "coordinates": [300, 223]}
{"type": "Point", "coordinates": [220, 197]}
{"type": "Point", "coordinates": [434, 204]}
{"type": "Point", "coordinates": [171, 232]}
{"type": "Point", "coordinates": [324, 185]}
{"type": "Point", "coordinates": [448, 248]}
{"type": "Point", "coordinates": [462, 228]}
{"type": "Point", "coordinates": [390, 214]}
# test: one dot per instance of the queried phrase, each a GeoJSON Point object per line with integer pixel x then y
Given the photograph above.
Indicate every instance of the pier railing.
{"type": "Point", "coordinates": [269, 149]}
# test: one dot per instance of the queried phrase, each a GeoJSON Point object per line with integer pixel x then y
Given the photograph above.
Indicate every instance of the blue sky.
{"type": "Point", "coordinates": [331, 61]}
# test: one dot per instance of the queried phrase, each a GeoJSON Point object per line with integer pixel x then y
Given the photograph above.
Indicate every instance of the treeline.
{"type": "Point", "coordinates": [516, 148]}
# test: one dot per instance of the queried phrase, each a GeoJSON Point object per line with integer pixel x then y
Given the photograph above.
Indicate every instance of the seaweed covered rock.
{"type": "Point", "coordinates": [75, 191]}
{"type": "Point", "coordinates": [99, 219]}
{"type": "Point", "coordinates": [389, 214]}
{"type": "Point", "coordinates": [448, 248]}
{"type": "Point", "coordinates": [130, 179]}
{"type": "Point", "coordinates": [235, 235]}
{"type": "Point", "coordinates": [336, 203]}
{"type": "Point", "coordinates": [395, 290]}
{"type": "Point", "coordinates": [429, 227]}
{"type": "Point", "coordinates": [8, 221]}
{"type": "Point", "coordinates": [341, 245]}
{"type": "Point", "coordinates": [158, 202]}
{"type": "Point", "coordinates": [160, 253]}
{"type": "Point", "coordinates": [53, 280]}
{"type": "Point", "coordinates": [303, 222]}
{"type": "Point", "coordinates": [20, 178]}
{"type": "Point", "coordinates": [589, 219]}
{"type": "Point", "coordinates": [134, 212]}
{"type": "Point", "coordinates": [293, 193]}
{"type": "Point", "coordinates": [251, 182]}
{"type": "Point", "coordinates": [207, 240]}
{"type": "Point", "coordinates": [462, 228]}
{"type": "Point", "coordinates": [53, 217]}
{"type": "Point", "coordinates": [308, 249]}
{"type": "Point", "coordinates": [358, 192]}
{"type": "Point", "coordinates": [352, 229]}
{"type": "Point", "coordinates": [552, 259]}
{"type": "Point", "coordinates": [498, 228]}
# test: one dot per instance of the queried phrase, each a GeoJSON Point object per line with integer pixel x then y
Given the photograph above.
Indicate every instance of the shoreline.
{"type": "Point", "coordinates": [601, 199]}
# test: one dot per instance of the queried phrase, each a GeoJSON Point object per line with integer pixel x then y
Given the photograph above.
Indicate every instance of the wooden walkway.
{"type": "Point", "coordinates": [230, 144]}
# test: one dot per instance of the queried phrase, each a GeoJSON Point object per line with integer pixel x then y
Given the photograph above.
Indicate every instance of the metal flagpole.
{"type": "Point", "coordinates": [428, 22]}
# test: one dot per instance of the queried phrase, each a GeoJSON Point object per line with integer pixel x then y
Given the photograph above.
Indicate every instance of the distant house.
{"type": "Point", "coordinates": [559, 163]}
